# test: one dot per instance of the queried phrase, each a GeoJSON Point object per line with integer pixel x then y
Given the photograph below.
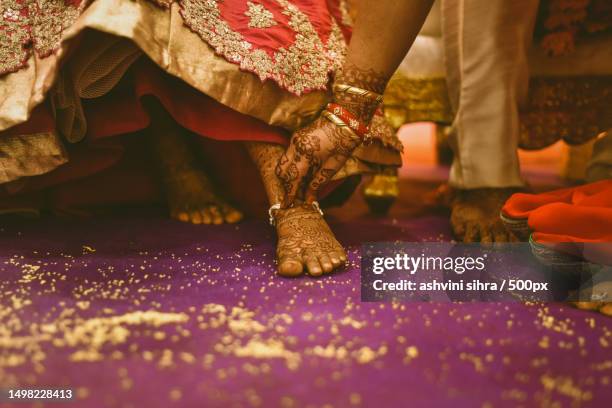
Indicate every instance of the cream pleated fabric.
{"type": "Point", "coordinates": [486, 46]}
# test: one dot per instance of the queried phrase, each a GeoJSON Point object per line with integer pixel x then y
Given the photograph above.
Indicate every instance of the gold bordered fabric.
{"type": "Point", "coordinates": [158, 29]}
{"type": "Point", "coordinates": [28, 26]}
{"type": "Point", "coordinates": [573, 109]}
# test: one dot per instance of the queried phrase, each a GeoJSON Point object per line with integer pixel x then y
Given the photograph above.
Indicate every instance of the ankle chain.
{"type": "Point", "coordinates": [273, 210]}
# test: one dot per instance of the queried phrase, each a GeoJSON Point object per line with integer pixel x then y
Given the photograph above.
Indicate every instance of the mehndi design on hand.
{"type": "Point", "coordinates": [318, 151]}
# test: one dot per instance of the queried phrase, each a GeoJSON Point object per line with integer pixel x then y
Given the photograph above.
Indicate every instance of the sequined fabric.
{"type": "Point", "coordinates": [410, 100]}
{"type": "Point", "coordinates": [573, 109]}
{"type": "Point", "coordinates": [296, 45]}
{"type": "Point", "coordinates": [158, 29]}
{"type": "Point", "coordinates": [28, 26]}
{"type": "Point", "coordinates": [281, 40]}
{"type": "Point", "coordinates": [259, 16]}
{"type": "Point", "coordinates": [562, 23]}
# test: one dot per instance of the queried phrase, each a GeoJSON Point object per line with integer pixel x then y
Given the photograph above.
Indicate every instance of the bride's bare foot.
{"type": "Point", "coordinates": [475, 215]}
{"type": "Point", "coordinates": [192, 198]}
{"type": "Point", "coordinates": [305, 242]}
{"type": "Point", "coordinates": [189, 192]}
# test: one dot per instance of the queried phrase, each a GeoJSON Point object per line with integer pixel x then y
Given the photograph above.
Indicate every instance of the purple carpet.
{"type": "Point", "coordinates": [146, 312]}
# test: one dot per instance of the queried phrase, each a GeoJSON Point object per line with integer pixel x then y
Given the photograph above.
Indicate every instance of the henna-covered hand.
{"type": "Point", "coordinates": [315, 155]}
{"type": "Point", "coordinates": [318, 151]}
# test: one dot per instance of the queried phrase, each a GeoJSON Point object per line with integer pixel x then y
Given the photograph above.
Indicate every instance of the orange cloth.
{"type": "Point", "coordinates": [561, 222]}
{"type": "Point", "coordinates": [575, 220]}
{"type": "Point", "coordinates": [598, 194]}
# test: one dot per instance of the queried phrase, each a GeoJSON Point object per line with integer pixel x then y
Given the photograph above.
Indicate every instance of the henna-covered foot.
{"type": "Point", "coordinates": [475, 215]}
{"type": "Point", "coordinates": [305, 243]}
{"type": "Point", "coordinates": [191, 198]}
{"type": "Point", "coordinates": [189, 192]}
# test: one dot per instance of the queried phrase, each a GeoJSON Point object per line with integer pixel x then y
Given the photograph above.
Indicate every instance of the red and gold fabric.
{"type": "Point", "coordinates": [561, 22]}
{"type": "Point", "coordinates": [265, 64]}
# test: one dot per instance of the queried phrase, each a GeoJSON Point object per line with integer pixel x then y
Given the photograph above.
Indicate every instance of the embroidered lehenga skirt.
{"type": "Point", "coordinates": [74, 73]}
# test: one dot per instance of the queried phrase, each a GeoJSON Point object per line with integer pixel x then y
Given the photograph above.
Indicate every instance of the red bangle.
{"type": "Point", "coordinates": [347, 117]}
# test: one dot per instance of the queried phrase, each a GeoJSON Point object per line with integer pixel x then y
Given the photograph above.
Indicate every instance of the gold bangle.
{"type": "Point", "coordinates": [338, 122]}
{"type": "Point", "coordinates": [335, 119]}
{"type": "Point", "coordinates": [358, 91]}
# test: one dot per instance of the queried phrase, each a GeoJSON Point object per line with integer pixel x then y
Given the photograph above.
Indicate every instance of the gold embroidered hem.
{"type": "Point", "coordinates": [573, 109]}
{"type": "Point", "coordinates": [561, 23]}
{"type": "Point", "coordinates": [409, 100]}
{"type": "Point", "coordinates": [30, 155]}
{"type": "Point", "coordinates": [299, 66]}
{"type": "Point", "coordinates": [162, 35]}
{"type": "Point", "coordinates": [382, 131]}
{"type": "Point", "coordinates": [33, 26]}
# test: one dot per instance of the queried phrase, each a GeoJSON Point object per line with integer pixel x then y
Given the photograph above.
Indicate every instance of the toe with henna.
{"type": "Point", "coordinates": [475, 215]}
{"type": "Point", "coordinates": [305, 241]}
{"type": "Point", "coordinates": [190, 194]}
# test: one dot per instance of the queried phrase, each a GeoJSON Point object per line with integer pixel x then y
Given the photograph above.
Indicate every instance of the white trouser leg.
{"type": "Point", "coordinates": [485, 44]}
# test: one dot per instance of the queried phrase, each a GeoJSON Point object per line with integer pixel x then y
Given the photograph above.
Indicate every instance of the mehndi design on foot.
{"type": "Point", "coordinates": [306, 243]}
{"type": "Point", "coordinates": [190, 194]}
{"type": "Point", "coordinates": [475, 215]}
{"type": "Point", "coordinates": [191, 198]}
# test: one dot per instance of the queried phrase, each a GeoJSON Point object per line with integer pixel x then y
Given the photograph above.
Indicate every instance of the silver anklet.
{"type": "Point", "coordinates": [277, 206]}
{"type": "Point", "coordinates": [315, 205]}
{"type": "Point", "coordinates": [273, 209]}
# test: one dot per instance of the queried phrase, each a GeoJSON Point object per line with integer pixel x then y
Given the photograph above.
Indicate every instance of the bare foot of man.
{"type": "Point", "coordinates": [475, 215]}
{"type": "Point", "coordinates": [305, 243]}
